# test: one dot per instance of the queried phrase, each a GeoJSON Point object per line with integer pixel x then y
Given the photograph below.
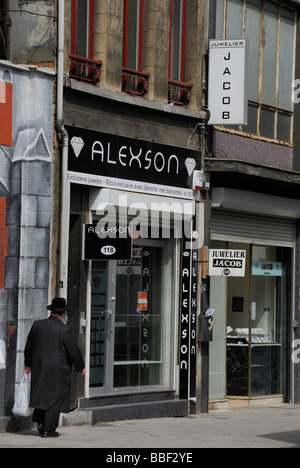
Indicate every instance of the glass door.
{"type": "Point", "coordinates": [266, 321]}
{"type": "Point", "coordinates": [102, 325]}
{"type": "Point", "coordinates": [127, 320]}
{"type": "Point", "coordinates": [254, 324]}
{"type": "Point", "coordinates": [139, 319]}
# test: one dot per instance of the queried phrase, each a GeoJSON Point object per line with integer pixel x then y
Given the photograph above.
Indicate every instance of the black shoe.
{"type": "Point", "coordinates": [48, 434]}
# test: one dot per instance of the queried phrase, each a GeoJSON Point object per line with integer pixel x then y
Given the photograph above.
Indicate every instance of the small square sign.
{"type": "Point", "coordinates": [113, 244]}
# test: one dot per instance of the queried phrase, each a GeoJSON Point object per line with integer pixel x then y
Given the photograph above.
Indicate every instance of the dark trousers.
{"type": "Point", "coordinates": [48, 420]}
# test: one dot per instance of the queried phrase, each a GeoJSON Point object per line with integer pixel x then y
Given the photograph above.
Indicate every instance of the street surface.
{"type": "Point", "coordinates": [273, 427]}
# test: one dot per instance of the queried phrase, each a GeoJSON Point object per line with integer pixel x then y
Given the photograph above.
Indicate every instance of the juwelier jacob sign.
{"type": "Point", "coordinates": [228, 82]}
{"type": "Point", "coordinates": [117, 162]}
{"type": "Point", "coordinates": [227, 262]}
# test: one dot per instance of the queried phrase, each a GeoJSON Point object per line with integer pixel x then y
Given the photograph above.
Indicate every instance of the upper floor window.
{"type": "Point", "coordinates": [179, 91]}
{"type": "Point", "coordinates": [177, 40]}
{"type": "Point", "coordinates": [82, 63]}
{"type": "Point", "coordinates": [135, 82]}
{"type": "Point", "coordinates": [133, 34]}
{"type": "Point", "coordinates": [270, 28]}
{"type": "Point", "coordinates": [82, 28]}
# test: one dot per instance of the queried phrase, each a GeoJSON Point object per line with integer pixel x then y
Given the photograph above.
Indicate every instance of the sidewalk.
{"type": "Point", "coordinates": [273, 427]}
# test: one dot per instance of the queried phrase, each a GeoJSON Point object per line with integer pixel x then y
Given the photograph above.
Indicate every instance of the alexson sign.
{"type": "Point", "coordinates": [113, 161]}
{"type": "Point", "coordinates": [228, 82]}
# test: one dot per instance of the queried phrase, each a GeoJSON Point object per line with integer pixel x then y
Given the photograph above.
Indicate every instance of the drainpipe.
{"type": "Point", "coordinates": [62, 283]}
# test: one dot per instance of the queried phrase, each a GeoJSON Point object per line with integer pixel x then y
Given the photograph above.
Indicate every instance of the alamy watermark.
{"type": "Point", "coordinates": [296, 353]}
{"type": "Point", "coordinates": [163, 219]}
{"type": "Point", "coordinates": [296, 91]}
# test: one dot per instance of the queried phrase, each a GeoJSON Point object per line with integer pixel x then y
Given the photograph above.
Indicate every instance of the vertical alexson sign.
{"type": "Point", "coordinates": [228, 82]}
{"type": "Point", "coordinates": [188, 322]}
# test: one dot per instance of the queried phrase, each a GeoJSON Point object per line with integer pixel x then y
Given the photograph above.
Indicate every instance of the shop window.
{"type": "Point", "coordinates": [270, 28]}
{"type": "Point", "coordinates": [82, 64]}
{"type": "Point", "coordinates": [134, 80]}
{"type": "Point", "coordinates": [251, 312]}
{"type": "Point", "coordinates": [179, 91]}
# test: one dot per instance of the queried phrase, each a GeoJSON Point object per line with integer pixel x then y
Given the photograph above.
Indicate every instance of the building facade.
{"type": "Point", "coordinates": [116, 190]}
{"type": "Point", "coordinates": [132, 110]}
{"type": "Point", "coordinates": [252, 205]}
{"type": "Point", "coordinates": [255, 207]}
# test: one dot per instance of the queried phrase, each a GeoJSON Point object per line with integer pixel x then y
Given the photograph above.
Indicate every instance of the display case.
{"type": "Point", "coordinates": [243, 336]}
{"type": "Point", "coordinates": [253, 363]}
{"type": "Point", "coordinates": [254, 319]}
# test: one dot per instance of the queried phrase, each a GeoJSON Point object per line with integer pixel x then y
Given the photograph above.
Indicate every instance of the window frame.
{"type": "Point", "coordinates": [134, 81]}
{"type": "Point", "coordinates": [182, 52]}
{"type": "Point", "coordinates": [179, 92]}
{"type": "Point", "coordinates": [260, 105]}
{"type": "Point", "coordinates": [90, 32]}
{"type": "Point", "coordinates": [139, 42]}
{"type": "Point", "coordinates": [83, 68]}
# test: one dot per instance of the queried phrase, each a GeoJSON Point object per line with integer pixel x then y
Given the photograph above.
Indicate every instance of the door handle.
{"type": "Point", "coordinates": [109, 314]}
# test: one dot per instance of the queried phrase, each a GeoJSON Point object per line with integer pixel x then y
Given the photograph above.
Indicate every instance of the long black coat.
{"type": "Point", "coordinates": [50, 351]}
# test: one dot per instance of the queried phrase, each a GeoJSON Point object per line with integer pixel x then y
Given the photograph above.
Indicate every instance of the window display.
{"type": "Point", "coordinates": [254, 333]}
{"type": "Point", "coordinates": [254, 305]}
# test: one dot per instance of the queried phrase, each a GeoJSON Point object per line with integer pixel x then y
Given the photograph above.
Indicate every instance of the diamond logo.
{"type": "Point", "coordinates": [77, 145]}
{"type": "Point", "coordinates": [190, 165]}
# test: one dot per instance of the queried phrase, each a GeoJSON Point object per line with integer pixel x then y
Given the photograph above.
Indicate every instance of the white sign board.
{"type": "Point", "coordinates": [227, 262]}
{"type": "Point", "coordinates": [228, 82]}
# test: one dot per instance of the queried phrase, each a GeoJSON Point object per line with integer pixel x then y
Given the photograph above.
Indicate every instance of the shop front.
{"type": "Point", "coordinates": [135, 199]}
{"type": "Point", "coordinates": [253, 318]}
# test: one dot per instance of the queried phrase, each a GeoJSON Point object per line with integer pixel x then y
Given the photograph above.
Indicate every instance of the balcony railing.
{"type": "Point", "coordinates": [179, 93]}
{"type": "Point", "coordinates": [85, 69]}
{"type": "Point", "coordinates": [134, 82]}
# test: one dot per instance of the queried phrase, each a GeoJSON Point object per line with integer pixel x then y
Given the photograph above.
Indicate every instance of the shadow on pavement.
{"type": "Point", "coordinates": [291, 437]}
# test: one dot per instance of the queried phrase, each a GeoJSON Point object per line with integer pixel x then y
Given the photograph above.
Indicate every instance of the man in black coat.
{"type": "Point", "coordinates": [50, 352]}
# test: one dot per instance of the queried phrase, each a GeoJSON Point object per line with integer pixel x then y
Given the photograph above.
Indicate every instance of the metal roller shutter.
{"type": "Point", "coordinates": [252, 229]}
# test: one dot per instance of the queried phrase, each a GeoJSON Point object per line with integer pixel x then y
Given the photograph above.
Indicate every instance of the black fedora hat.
{"type": "Point", "coordinates": [59, 305]}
